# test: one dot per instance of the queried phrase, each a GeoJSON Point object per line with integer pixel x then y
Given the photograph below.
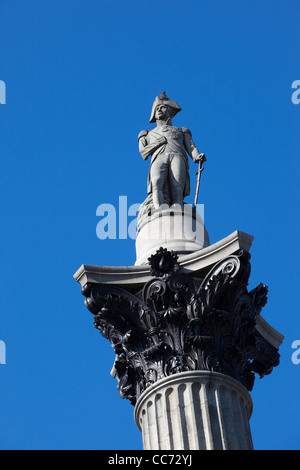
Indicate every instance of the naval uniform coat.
{"type": "Point", "coordinates": [176, 141]}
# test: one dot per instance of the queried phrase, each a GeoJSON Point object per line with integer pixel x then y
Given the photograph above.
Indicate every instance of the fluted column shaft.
{"type": "Point", "coordinates": [197, 410]}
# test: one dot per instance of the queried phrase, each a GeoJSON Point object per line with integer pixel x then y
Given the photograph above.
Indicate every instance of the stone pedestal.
{"type": "Point", "coordinates": [179, 230]}
{"type": "Point", "coordinates": [197, 410]}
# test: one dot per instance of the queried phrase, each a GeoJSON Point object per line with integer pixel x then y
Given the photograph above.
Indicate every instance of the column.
{"type": "Point", "coordinates": [197, 410]}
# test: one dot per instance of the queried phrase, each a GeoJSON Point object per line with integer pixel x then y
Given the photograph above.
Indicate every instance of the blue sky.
{"type": "Point", "coordinates": [80, 80]}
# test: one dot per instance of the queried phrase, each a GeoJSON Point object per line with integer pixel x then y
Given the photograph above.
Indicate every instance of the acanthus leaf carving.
{"type": "Point", "coordinates": [175, 326]}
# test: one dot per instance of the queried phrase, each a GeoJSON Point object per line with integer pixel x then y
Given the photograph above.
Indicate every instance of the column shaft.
{"type": "Point", "coordinates": [195, 411]}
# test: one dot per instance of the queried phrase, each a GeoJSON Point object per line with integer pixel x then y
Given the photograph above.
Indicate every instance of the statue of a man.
{"type": "Point", "coordinates": [168, 181]}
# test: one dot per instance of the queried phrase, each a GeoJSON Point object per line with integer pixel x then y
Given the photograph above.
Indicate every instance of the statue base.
{"type": "Point", "coordinates": [178, 230]}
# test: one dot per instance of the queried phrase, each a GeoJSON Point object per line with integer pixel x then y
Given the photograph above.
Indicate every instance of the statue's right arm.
{"type": "Point", "coordinates": [146, 147]}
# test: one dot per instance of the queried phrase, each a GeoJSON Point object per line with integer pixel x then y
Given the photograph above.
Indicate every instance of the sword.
{"type": "Point", "coordinates": [198, 173]}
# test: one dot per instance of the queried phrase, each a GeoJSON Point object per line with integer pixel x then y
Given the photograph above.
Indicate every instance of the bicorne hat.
{"type": "Point", "coordinates": [163, 99]}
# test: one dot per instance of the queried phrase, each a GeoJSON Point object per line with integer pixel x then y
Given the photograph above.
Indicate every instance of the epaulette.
{"type": "Point", "coordinates": [186, 130]}
{"type": "Point", "coordinates": [142, 134]}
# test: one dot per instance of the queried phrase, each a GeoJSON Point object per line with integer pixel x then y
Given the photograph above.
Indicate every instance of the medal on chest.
{"type": "Point", "coordinates": [171, 132]}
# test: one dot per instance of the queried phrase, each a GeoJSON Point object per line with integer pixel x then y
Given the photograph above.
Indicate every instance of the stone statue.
{"type": "Point", "coordinates": [168, 181]}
